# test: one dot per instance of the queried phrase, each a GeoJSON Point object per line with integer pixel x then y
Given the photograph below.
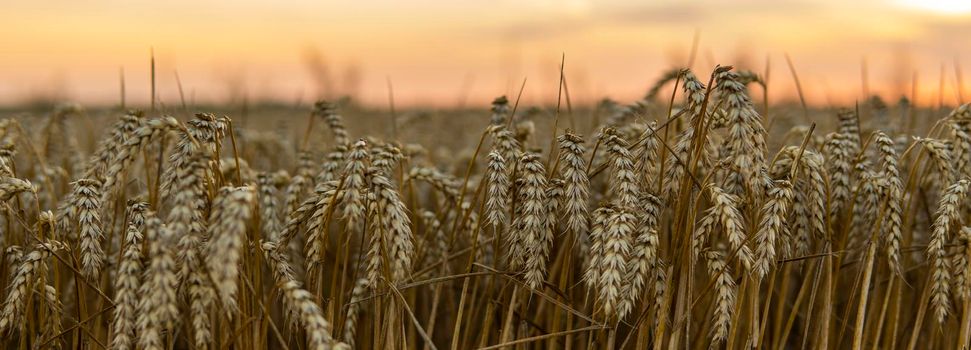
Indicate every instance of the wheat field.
{"type": "Point", "coordinates": [700, 216]}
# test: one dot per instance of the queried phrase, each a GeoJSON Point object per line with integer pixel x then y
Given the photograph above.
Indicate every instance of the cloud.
{"type": "Point", "coordinates": [673, 13]}
{"type": "Point", "coordinates": [693, 13]}
{"type": "Point", "coordinates": [544, 29]}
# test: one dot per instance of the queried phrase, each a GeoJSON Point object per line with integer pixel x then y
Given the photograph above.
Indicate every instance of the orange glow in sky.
{"type": "Point", "coordinates": [444, 53]}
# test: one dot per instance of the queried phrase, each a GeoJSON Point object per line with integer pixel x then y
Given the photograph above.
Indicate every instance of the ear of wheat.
{"type": "Point", "coordinates": [498, 195]}
{"type": "Point", "coordinates": [940, 153]}
{"type": "Point", "coordinates": [87, 197]}
{"type": "Point", "coordinates": [535, 235]}
{"type": "Point", "coordinates": [644, 258]}
{"type": "Point", "coordinates": [773, 215]}
{"type": "Point", "coordinates": [725, 209]}
{"type": "Point", "coordinates": [326, 196]}
{"type": "Point", "coordinates": [354, 183]}
{"type": "Point", "coordinates": [269, 205]}
{"type": "Point", "coordinates": [11, 186]}
{"type": "Point", "coordinates": [393, 235]}
{"type": "Point", "coordinates": [157, 310]}
{"type": "Point", "coordinates": [108, 146]}
{"type": "Point", "coordinates": [128, 280]}
{"type": "Point", "coordinates": [330, 170]}
{"type": "Point", "coordinates": [505, 142]}
{"type": "Point", "coordinates": [333, 119]}
{"type": "Point", "coordinates": [947, 212]}
{"type": "Point", "coordinates": [724, 295]}
{"type": "Point", "coordinates": [747, 135]}
{"type": "Point", "coordinates": [625, 183]}
{"type": "Point", "coordinates": [576, 190]}
{"type": "Point", "coordinates": [894, 197]}
{"type": "Point", "coordinates": [227, 227]}
{"type": "Point", "coordinates": [386, 157]}
{"type": "Point", "coordinates": [838, 151]}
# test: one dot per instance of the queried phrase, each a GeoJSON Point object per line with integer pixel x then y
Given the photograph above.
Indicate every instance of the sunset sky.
{"type": "Point", "coordinates": [444, 53]}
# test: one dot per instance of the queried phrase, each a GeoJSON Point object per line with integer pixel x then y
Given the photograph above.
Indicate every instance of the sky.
{"type": "Point", "coordinates": [447, 53]}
